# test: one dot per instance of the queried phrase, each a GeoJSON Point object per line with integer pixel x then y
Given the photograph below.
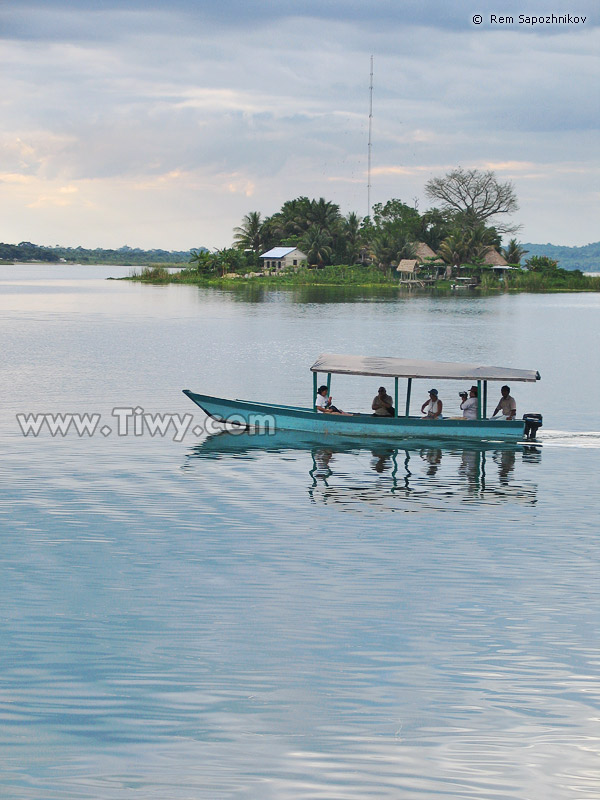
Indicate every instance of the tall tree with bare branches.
{"type": "Point", "coordinates": [475, 197]}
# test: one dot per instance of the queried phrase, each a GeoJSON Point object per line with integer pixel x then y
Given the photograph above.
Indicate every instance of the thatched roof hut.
{"type": "Point", "coordinates": [423, 252]}
{"type": "Point", "coordinates": [408, 265]}
{"type": "Point", "coordinates": [493, 259]}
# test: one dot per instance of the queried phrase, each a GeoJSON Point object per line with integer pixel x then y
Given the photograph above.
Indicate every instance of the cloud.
{"type": "Point", "coordinates": [61, 198]}
{"type": "Point", "coordinates": [513, 166]}
{"type": "Point", "coordinates": [60, 21]}
{"type": "Point", "coordinates": [15, 178]}
{"type": "Point", "coordinates": [182, 100]}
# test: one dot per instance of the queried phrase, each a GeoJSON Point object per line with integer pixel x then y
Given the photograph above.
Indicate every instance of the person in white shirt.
{"type": "Point", "coordinates": [469, 404]}
{"type": "Point", "coordinates": [507, 405]}
{"type": "Point", "coordinates": [323, 403]}
{"type": "Point", "coordinates": [382, 404]}
{"type": "Point", "coordinates": [432, 408]}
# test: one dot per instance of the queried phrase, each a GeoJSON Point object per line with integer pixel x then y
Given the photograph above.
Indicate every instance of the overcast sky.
{"type": "Point", "coordinates": [160, 124]}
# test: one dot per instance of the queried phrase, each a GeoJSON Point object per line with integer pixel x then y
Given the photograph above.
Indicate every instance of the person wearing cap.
{"type": "Point", "coordinates": [432, 408]}
{"type": "Point", "coordinates": [469, 404]}
{"type": "Point", "coordinates": [382, 404]}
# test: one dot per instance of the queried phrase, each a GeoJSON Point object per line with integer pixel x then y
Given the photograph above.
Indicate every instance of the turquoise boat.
{"type": "Point", "coordinates": [271, 418]}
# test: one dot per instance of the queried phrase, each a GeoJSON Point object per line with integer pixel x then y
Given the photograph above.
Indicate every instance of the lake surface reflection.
{"type": "Point", "coordinates": [408, 477]}
{"type": "Point", "coordinates": [274, 617]}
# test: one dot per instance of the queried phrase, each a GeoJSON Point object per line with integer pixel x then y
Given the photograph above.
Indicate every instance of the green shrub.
{"type": "Point", "coordinates": [153, 274]}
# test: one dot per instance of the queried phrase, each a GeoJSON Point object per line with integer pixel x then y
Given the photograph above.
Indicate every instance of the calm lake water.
{"type": "Point", "coordinates": [267, 617]}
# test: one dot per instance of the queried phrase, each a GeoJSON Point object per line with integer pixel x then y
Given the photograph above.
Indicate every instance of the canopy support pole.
{"type": "Point", "coordinates": [328, 383]}
{"type": "Point", "coordinates": [395, 397]}
{"type": "Point", "coordinates": [408, 388]}
{"type": "Point", "coordinates": [478, 399]}
{"type": "Point", "coordinates": [485, 399]}
{"type": "Point", "coordinates": [315, 384]}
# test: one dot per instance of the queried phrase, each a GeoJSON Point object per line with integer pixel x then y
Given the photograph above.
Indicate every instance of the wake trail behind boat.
{"type": "Point", "coordinates": [589, 439]}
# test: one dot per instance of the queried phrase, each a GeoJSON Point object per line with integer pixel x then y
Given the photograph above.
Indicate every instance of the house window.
{"type": "Point", "coordinates": [295, 262]}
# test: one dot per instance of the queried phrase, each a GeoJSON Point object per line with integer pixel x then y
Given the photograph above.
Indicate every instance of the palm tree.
{"type": "Point", "coordinates": [325, 214]}
{"type": "Point", "coordinates": [383, 249]}
{"type": "Point", "coordinates": [466, 245]}
{"type": "Point", "coordinates": [480, 241]}
{"type": "Point", "coordinates": [351, 238]}
{"type": "Point", "coordinates": [301, 214]}
{"type": "Point", "coordinates": [249, 235]}
{"type": "Point", "coordinates": [455, 249]}
{"type": "Point", "coordinates": [294, 216]}
{"type": "Point", "coordinates": [272, 231]}
{"type": "Point", "coordinates": [513, 252]}
{"type": "Point", "coordinates": [406, 249]}
{"type": "Point", "coordinates": [387, 248]}
{"type": "Point", "coordinates": [204, 261]}
{"type": "Point", "coordinates": [316, 242]}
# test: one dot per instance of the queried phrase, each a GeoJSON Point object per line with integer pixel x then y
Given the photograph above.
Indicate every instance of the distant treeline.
{"type": "Point", "coordinates": [586, 258]}
{"type": "Point", "coordinates": [126, 256]}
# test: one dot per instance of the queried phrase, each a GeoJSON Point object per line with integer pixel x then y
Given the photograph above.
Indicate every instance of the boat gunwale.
{"type": "Point", "coordinates": [355, 419]}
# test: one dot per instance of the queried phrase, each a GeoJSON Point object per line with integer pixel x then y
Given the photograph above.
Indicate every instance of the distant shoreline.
{"type": "Point", "coordinates": [355, 278]}
{"type": "Point", "coordinates": [372, 278]}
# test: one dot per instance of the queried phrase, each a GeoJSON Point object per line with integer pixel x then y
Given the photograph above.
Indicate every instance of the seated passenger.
{"type": "Point", "coordinates": [432, 408]}
{"type": "Point", "coordinates": [469, 404]}
{"type": "Point", "coordinates": [507, 406]}
{"type": "Point", "coordinates": [382, 404]}
{"type": "Point", "coordinates": [323, 403]}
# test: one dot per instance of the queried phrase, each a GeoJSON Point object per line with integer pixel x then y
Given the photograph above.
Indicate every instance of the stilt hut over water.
{"type": "Point", "coordinates": [408, 266]}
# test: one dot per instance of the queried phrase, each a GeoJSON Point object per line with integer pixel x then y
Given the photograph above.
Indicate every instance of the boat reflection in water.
{"type": "Point", "coordinates": [407, 476]}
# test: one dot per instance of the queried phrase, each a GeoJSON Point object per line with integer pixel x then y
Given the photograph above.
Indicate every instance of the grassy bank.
{"type": "Point", "coordinates": [329, 276]}
{"type": "Point", "coordinates": [563, 282]}
{"type": "Point", "coordinates": [560, 281]}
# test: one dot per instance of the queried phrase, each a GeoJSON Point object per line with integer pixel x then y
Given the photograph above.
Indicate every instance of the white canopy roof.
{"type": "Point", "coordinates": [412, 368]}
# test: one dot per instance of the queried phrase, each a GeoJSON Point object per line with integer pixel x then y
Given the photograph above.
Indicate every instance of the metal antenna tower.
{"type": "Point", "coordinates": [370, 142]}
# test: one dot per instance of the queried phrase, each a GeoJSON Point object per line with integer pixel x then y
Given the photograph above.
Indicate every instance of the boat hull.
{"type": "Point", "coordinates": [273, 418]}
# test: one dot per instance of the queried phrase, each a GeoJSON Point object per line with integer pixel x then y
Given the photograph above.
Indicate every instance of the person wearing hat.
{"type": "Point", "coordinates": [432, 408]}
{"type": "Point", "coordinates": [469, 404]}
{"type": "Point", "coordinates": [382, 404]}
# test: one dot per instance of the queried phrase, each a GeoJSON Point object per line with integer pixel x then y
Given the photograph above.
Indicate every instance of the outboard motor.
{"type": "Point", "coordinates": [532, 423]}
